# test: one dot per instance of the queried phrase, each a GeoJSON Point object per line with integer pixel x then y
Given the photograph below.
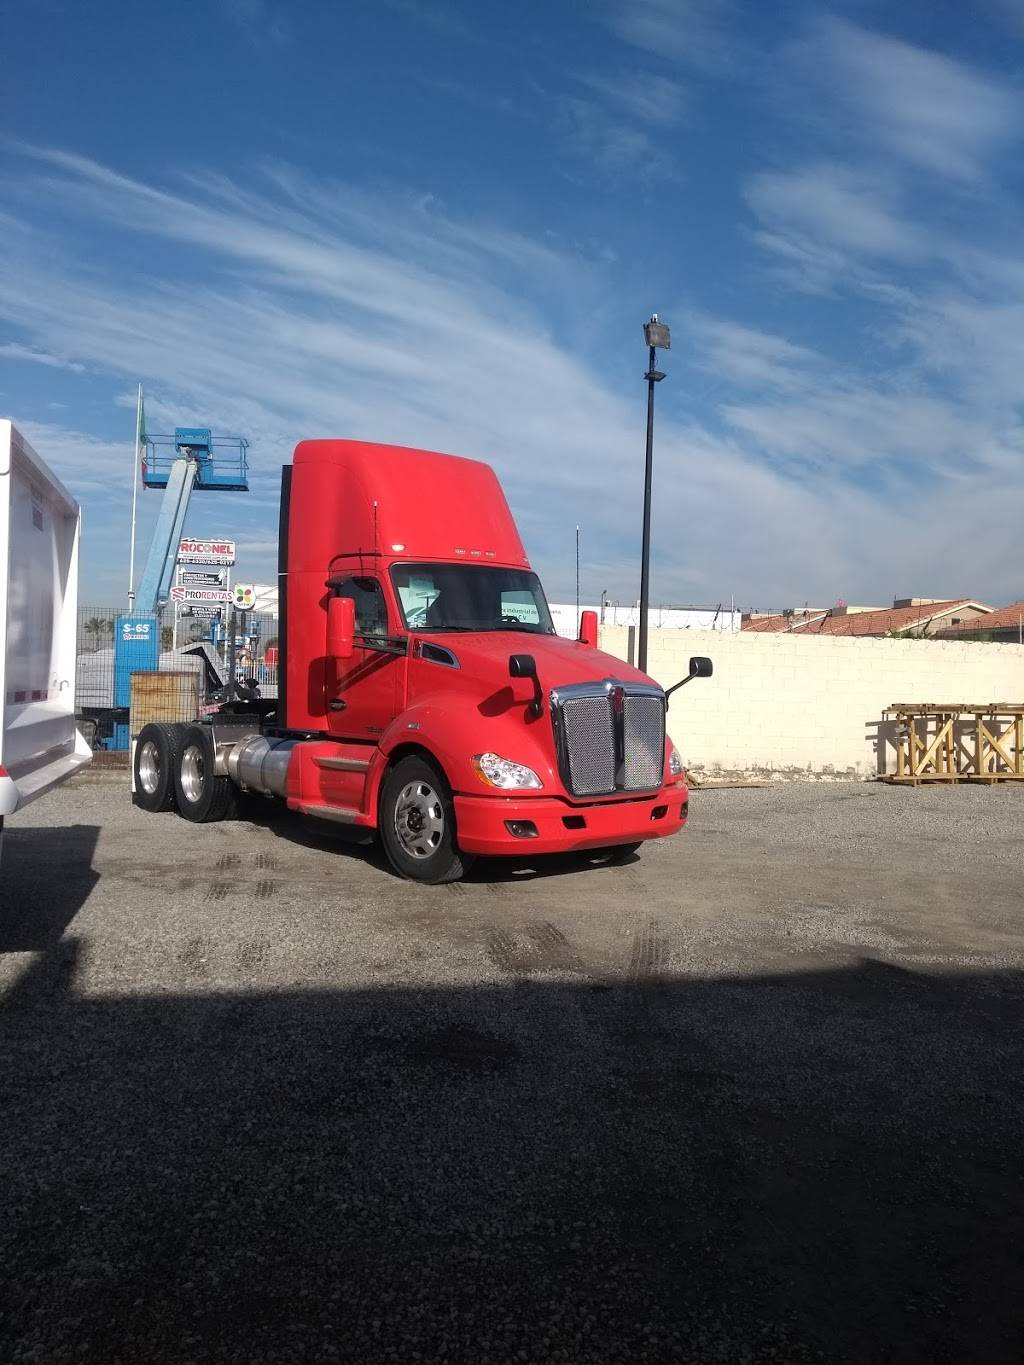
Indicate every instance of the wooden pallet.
{"type": "Point", "coordinates": [957, 742]}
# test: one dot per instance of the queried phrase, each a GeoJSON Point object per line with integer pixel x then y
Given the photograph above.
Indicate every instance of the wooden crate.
{"type": "Point", "coordinates": [164, 697]}
{"type": "Point", "coordinates": [957, 742]}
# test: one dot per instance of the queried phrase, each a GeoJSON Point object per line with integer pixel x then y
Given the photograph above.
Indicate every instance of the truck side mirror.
{"type": "Point", "coordinates": [341, 627]}
{"type": "Point", "coordinates": [522, 666]}
{"type": "Point", "coordinates": [525, 666]}
{"type": "Point", "coordinates": [700, 667]}
{"type": "Point", "coordinates": [588, 629]}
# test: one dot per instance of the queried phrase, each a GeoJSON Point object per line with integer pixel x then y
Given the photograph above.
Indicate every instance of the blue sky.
{"type": "Point", "coordinates": [443, 225]}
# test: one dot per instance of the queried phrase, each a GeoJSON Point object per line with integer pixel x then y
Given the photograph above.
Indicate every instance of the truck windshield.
{"type": "Point", "coordinates": [470, 597]}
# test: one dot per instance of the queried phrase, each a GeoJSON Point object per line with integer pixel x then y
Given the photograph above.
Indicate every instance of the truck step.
{"type": "Point", "coordinates": [342, 765]}
{"type": "Point", "coordinates": [341, 815]}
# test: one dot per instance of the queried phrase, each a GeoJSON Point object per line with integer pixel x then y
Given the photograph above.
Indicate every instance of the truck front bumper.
{"type": "Point", "coordinates": [493, 826]}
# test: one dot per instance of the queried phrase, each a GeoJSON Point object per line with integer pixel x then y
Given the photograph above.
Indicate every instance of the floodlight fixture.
{"type": "Point", "coordinates": [657, 335]}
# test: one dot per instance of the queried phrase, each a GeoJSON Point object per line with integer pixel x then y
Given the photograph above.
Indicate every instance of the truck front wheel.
{"type": "Point", "coordinates": [200, 793]}
{"type": "Point", "coordinates": [417, 823]}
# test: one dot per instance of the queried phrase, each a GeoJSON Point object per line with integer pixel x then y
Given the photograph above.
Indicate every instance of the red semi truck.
{"type": "Point", "coordinates": [423, 692]}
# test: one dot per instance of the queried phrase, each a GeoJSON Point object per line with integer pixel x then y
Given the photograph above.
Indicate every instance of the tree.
{"type": "Point", "coordinates": [95, 626]}
{"type": "Point", "coordinates": [166, 637]}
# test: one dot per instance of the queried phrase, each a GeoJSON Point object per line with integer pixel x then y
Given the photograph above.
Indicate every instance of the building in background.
{"type": "Point", "coordinates": [910, 616]}
{"type": "Point", "coordinates": [1005, 626]}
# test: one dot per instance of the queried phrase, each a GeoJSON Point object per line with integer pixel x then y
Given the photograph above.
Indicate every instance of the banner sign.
{"type": "Point", "coordinates": [202, 578]}
{"type": "Point", "coordinates": [202, 596]}
{"type": "Point", "coordinates": [203, 613]}
{"type": "Point", "coordinates": [206, 552]}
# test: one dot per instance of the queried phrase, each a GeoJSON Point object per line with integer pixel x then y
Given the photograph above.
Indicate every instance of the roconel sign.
{"type": "Point", "coordinates": [206, 552]}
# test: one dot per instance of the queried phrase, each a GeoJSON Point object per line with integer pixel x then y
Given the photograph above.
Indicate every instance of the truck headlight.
{"type": "Point", "coordinates": [675, 762]}
{"type": "Point", "coordinates": [504, 774]}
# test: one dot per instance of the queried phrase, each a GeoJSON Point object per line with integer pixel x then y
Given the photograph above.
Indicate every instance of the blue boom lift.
{"type": "Point", "coordinates": [193, 459]}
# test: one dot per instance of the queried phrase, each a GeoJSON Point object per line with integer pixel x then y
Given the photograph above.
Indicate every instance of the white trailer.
{"type": "Point", "coordinates": [40, 743]}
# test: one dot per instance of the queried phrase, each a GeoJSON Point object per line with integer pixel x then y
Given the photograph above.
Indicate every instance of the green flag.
{"type": "Point", "coordinates": [140, 433]}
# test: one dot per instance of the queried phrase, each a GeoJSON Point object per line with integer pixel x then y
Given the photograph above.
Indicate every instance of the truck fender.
{"type": "Point", "coordinates": [451, 740]}
{"type": "Point", "coordinates": [408, 732]}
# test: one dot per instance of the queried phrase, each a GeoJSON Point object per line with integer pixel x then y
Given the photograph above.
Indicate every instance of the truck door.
{"type": "Point", "coordinates": [363, 692]}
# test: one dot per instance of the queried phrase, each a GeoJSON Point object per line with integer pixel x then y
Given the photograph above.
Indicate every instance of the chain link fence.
{"type": "Point", "coordinates": [192, 669]}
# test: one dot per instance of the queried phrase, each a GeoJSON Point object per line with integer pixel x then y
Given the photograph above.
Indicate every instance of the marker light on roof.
{"type": "Point", "coordinates": [398, 549]}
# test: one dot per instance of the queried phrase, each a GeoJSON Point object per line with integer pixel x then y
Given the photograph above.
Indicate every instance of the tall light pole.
{"type": "Point", "coordinates": [658, 337]}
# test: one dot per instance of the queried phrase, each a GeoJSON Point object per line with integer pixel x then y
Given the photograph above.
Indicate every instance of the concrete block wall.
{"type": "Point", "coordinates": [792, 706]}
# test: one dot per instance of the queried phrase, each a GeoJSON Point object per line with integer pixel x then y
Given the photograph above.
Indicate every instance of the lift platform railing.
{"type": "Point", "coordinates": [221, 462]}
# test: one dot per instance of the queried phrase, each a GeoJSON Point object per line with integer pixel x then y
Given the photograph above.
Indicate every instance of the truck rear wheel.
{"type": "Point", "coordinates": [201, 795]}
{"type": "Point", "coordinates": [154, 765]}
{"type": "Point", "coordinates": [417, 823]}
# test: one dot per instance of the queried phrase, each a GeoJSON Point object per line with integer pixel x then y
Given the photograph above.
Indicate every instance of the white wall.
{"type": "Point", "coordinates": [792, 705]}
{"type": "Point", "coordinates": [566, 618]}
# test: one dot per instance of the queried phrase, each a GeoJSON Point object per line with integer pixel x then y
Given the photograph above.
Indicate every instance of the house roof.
{"type": "Point", "coordinates": [1004, 618]}
{"type": "Point", "coordinates": [886, 621]}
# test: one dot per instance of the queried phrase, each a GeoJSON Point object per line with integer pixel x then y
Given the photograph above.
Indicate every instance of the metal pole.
{"type": "Point", "coordinates": [231, 655]}
{"type": "Point", "coordinates": [577, 575]}
{"type": "Point", "coordinates": [135, 494]}
{"type": "Point", "coordinates": [645, 552]}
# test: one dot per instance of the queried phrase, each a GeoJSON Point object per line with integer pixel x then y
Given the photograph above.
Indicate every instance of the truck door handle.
{"type": "Point", "coordinates": [338, 705]}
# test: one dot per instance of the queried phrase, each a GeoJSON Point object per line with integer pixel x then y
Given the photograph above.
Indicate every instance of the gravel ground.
{"type": "Point", "coordinates": [755, 1096]}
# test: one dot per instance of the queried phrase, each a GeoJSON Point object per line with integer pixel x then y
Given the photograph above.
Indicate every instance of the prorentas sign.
{"type": "Point", "coordinates": [202, 596]}
{"type": "Point", "coordinates": [206, 552]}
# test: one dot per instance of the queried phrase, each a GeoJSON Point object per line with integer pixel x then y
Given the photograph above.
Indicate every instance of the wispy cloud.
{"type": "Point", "coordinates": [328, 312]}
{"type": "Point", "coordinates": [441, 18]}
{"type": "Point", "coordinates": [620, 150]}
{"type": "Point", "coordinates": [13, 350]}
{"type": "Point", "coordinates": [747, 357]}
{"type": "Point", "coordinates": [483, 98]}
{"type": "Point", "coordinates": [693, 32]}
{"type": "Point", "coordinates": [643, 96]}
{"type": "Point", "coordinates": [264, 25]}
{"type": "Point", "coordinates": [831, 207]}
{"type": "Point", "coordinates": [922, 106]}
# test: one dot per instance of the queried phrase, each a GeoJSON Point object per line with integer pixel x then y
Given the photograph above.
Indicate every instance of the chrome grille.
{"type": "Point", "coordinates": [610, 736]}
{"type": "Point", "coordinates": [643, 742]}
{"type": "Point", "coordinates": [589, 744]}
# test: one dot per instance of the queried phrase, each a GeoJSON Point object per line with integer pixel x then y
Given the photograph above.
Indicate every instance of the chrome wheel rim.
{"type": "Point", "coordinates": [193, 773]}
{"type": "Point", "coordinates": [419, 819]}
{"type": "Point", "coordinates": [149, 768]}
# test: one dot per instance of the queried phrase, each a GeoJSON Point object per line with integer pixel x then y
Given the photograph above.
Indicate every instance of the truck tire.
{"type": "Point", "coordinates": [154, 765]}
{"type": "Point", "coordinates": [200, 794]}
{"type": "Point", "coordinates": [417, 823]}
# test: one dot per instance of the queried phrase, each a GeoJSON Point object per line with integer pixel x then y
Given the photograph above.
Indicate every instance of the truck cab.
{"type": "Point", "coordinates": [423, 690]}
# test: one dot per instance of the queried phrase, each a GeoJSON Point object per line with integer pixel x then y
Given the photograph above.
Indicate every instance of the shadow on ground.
{"type": "Point", "coordinates": [364, 846]}
{"type": "Point", "coordinates": [45, 879]}
{"type": "Point", "coordinates": [820, 1166]}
